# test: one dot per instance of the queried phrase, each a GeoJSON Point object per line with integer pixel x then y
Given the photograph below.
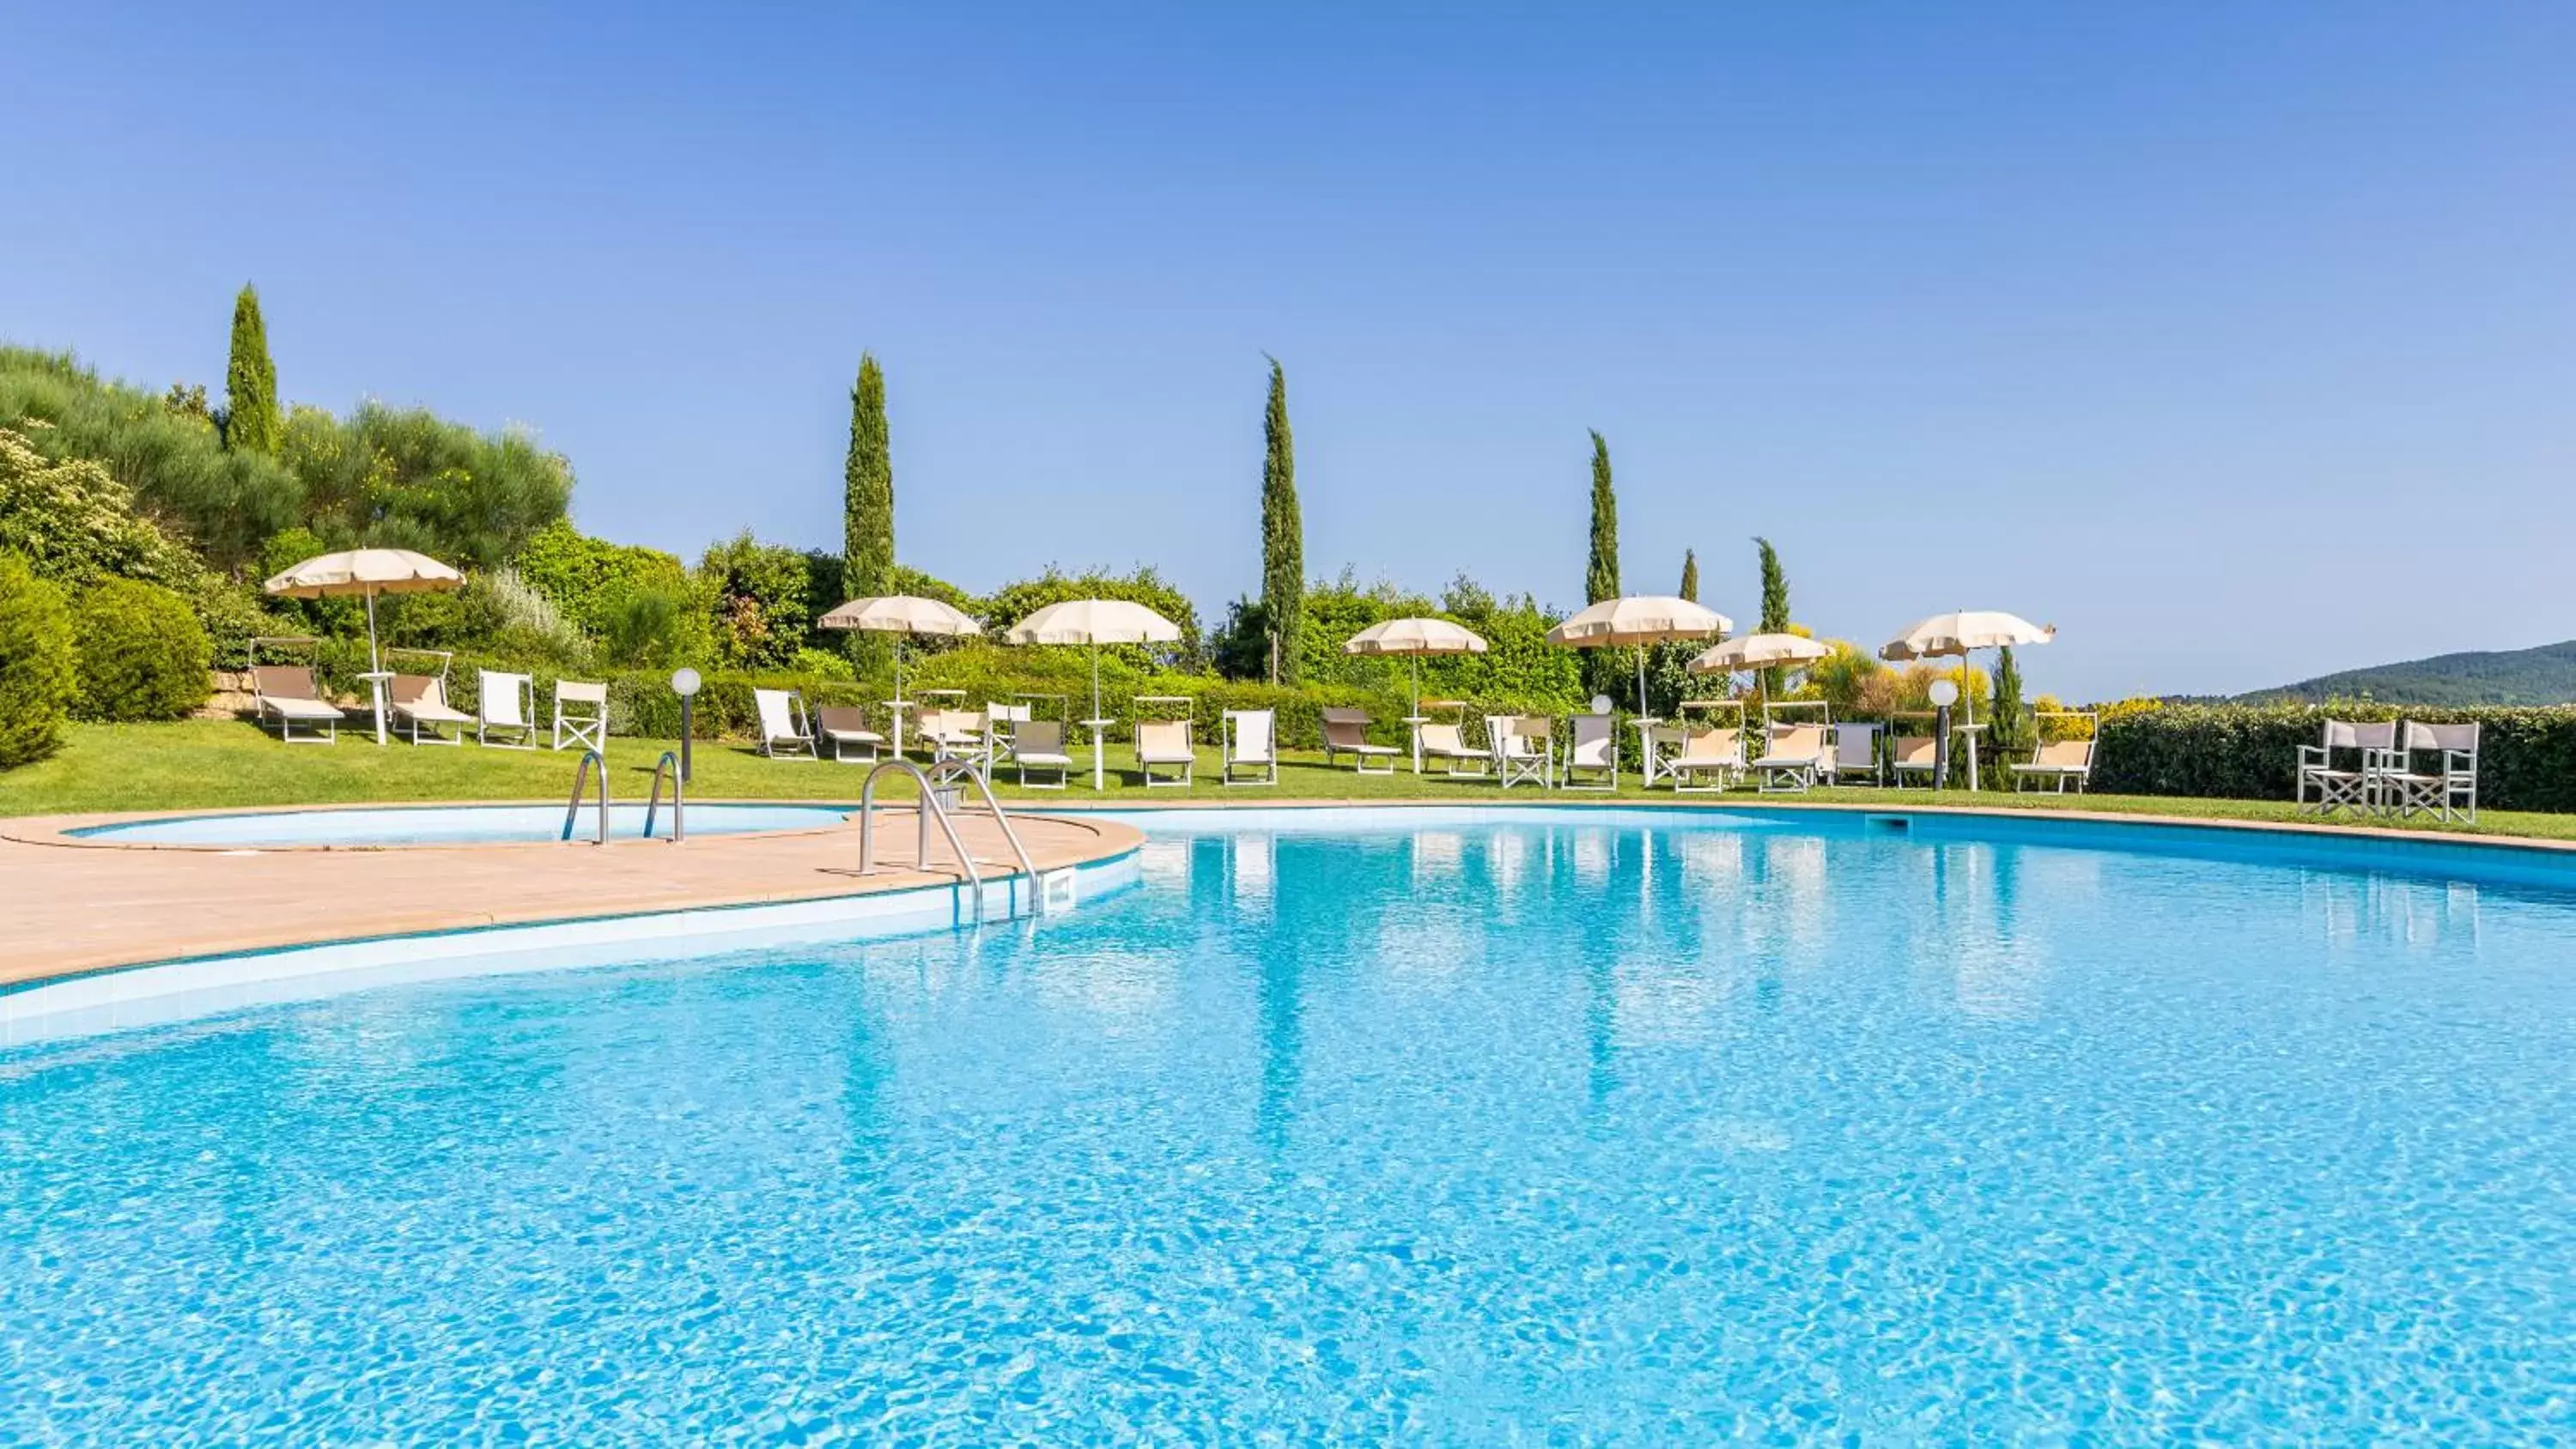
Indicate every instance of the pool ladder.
{"type": "Point", "coordinates": [938, 786]}
{"type": "Point", "coordinates": [666, 767]}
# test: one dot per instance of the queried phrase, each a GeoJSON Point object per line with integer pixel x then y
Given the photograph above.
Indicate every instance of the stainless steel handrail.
{"type": "Point", "coordinates": [670, 764]}
{"type": "Point", "coordinates": [948, 769]}
{"type": "Point", "coordinates": [580, 775]}
{"type": "Point", "coordinates": [929, 810]}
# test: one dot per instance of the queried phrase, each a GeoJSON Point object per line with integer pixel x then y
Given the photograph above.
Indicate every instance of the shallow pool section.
{"type": "Point", "coordinates": [450, 825]}
{"type": "Point", "coordinates": [1561, 1129]}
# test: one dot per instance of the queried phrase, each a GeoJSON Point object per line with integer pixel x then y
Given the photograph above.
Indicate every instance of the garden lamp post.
{"type": "Point", "coordinates": [685, 683]}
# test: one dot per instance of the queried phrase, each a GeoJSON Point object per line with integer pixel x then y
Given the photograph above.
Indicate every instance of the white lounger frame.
{"type": "Point", "coordinates": [505, 704]}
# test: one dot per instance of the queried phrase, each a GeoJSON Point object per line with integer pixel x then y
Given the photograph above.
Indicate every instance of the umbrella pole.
{"type": "Point", "coordinates": [1641, 681]}
{"type": "Point", "coordinates": [897, 706]}
{"type": "Point", "coordinates": [375, 668]}
{"type": "Point", "coordinates": [1099, 731]}
{"type": "Point", "coordinates": [1417, 714]}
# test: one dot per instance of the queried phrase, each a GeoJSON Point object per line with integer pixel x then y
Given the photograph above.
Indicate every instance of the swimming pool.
{"type": "Point", "coordinates": [449, 825]}
{"type": "Point", "coordinates": [1412, 1127]}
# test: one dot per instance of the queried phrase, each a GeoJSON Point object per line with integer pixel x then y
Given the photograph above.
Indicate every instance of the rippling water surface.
{"type": "Point", "coordinates": [1562, 1132]}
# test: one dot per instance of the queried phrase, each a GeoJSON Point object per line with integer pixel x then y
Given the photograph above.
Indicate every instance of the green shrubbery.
{"type": "Point", "coordinates": [36, 664]}
{"type": "Point", "coordinates": [143, 655]}
{"type": "Point", "coordinates": [2527, 756]}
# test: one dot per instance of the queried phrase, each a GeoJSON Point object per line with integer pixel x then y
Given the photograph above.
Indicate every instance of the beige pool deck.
{"type": "Point", "coordinates": [69, 905]}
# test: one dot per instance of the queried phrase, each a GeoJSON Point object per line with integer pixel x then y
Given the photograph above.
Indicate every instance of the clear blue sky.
{"type": "Point", "coordinates": [2238, 340]}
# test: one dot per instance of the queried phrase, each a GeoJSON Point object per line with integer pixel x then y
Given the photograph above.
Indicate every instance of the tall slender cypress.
{"type": "Point", "coordinates": [1283, 536]}
{"type": "Point", "coordinates": [252, 421]}
{"type": "Point", "coordinates": [867, 507]}
{"type": "Point", "coordinates": [1601, 566]}
{"type": "Point", "coordinates": [1690, 575]}
{"type": "Point", "coordinates": [1775, 606]}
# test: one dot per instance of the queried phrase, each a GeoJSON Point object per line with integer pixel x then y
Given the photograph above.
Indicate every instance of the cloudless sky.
{"type": "Point", "coordinates": [2237, 340]}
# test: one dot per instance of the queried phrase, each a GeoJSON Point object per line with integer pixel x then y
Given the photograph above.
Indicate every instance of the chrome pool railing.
{"type": "Point", "coordinates": [669, 764]}
{"type": "Point", "coordinates": [580, 776]}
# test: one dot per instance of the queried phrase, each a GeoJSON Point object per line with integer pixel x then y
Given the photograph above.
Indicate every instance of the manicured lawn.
{"type": "Point", "coordinates": [213, 764]}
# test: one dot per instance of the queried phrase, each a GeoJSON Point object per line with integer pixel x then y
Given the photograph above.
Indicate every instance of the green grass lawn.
{"type": "Point", "coordinates": [213, 764]}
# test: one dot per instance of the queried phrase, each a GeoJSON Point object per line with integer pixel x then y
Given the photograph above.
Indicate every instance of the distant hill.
{"type": "Point", "coordinates": [2546, 675]}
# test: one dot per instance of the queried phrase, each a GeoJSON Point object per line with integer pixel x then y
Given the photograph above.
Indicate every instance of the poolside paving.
{"type": "Point", "coordinates": [68, 906]}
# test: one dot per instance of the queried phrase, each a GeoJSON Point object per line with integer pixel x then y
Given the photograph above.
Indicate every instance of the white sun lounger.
{"type": "Point", "coordinates": [2058, 761]}
{"type": "Point", "coordinates": [419, 702]}
{"type": "Point", "coordinates": [505, 705]}
{"type": "Point", "coordinates": [285, 694]}
{"type": "Point", "coordinates": [1164, 744]}
{"type": "Point", "coordinates": [1794, 758]}
{"type": "Point", "coordinates": [1038, 744]}
{"type": "Point", "coordinates": [1346, 733]}
{"type": "Point", "coordinates": [1448, 743]}
{"type": "Point", "coordinates": [1715, 750]}
{"type": "Point", "coordinates": [845, 728]}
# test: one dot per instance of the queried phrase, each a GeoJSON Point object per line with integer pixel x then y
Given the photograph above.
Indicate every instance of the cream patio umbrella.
{"type": "Point", "coordinates": [1415, 638]}
{"type": "Point", "coordinates": [1642, 620]}
{"type": "Point", "coordinates": [367, 572]}
{"type": "Point", "coordinates": [900, 615]}
{"type": "Point", "coordinates": [1095, 622]}
{"type": "Point", "coordinates": [1957, 635]}
{"type": "Point", "coordinates": [1756, 652]}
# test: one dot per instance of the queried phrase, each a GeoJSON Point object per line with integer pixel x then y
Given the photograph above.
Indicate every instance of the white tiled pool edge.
{"type": "Point", "coordinates": [155, 994]}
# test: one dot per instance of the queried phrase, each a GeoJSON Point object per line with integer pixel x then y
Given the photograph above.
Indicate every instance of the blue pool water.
{"type": "Point", "coordinates": [452, 825]}
{"type": "Point", "coordinates": [1557, 1131]}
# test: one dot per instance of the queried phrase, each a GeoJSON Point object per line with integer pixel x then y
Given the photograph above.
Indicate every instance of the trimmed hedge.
{"type": "Point", "coordinates": [2526, 756]}
{"type": "Point", "coordinates": [143, 655]}
{"type": "Point", "coordinates": [36, 669]}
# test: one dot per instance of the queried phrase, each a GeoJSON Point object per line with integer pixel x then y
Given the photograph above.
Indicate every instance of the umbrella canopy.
{"type": "Point", "coordinates": [1415, 636]}
{"type": "Point", "coordinates": [1969, 629]}
{"type": "Point", "coordinates": [900, 614]}
{"type": "Point", "coordinates": [365, 571]}
{"type": "Point", "coordinates": [1760, 651]}
{"type": "Point", "coordinates": [1644, 619]}
{"type": "Point", "coordinates": [1095, 622]}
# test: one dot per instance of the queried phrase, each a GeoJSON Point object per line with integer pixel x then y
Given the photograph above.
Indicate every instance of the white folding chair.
{"type": "Point", "coordinates": [2449, 790]}
{"type": "Point", "coordinates": [1525, 750]}
{"type": "Point", "coordinates": [585, 722]}
{"type": "Point", "coordinates": [2325, 786]}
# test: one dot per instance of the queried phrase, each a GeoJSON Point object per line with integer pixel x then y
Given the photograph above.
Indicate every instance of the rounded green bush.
{"type": "Point", "coordinates": [36, 664]}
{"type": "Point", "coordinates": [143, 655]}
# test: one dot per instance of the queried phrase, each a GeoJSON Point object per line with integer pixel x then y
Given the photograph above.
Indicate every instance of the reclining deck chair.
{"type": "Point", "coordinates": [1038, 744]}
{"type": "Point", "coordinates": [845, 728]}
{"type": "Point", "coordinates": [1164, 743]}
{"type": "Point", "coordinates": [1346, 733]}
{"type": "Point", "coordinates": [419, 702]}
{"type": "Point", "coordinates": [783, 729]}
{"type": "Point", "coordinates": [1595, 751]}
{"type": "Point", "coordinates": [286, 694]}
{"type": "Point", "coordinates": [2060, 760]}
{"type": "Point", "coordinates": [505, 705]}
{"type": "Point", "coordinates": [1251, 738]}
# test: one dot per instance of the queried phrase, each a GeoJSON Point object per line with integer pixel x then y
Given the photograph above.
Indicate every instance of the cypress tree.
{"type": "Point", "coordinates": [252, 421]}
{"type": "Point", "coordinates": [2003, 732]}
{"type": "Point", "coordinates": [867, 507]}
{"type": "Point", "coordinates": [1601, 566]}
{"type": "Point", "coordinates": [1690, 575]}
{"type": "Point", "coordinates": [1283, 536]}
{"type": "Point", "coordinates": [1775, 607]}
